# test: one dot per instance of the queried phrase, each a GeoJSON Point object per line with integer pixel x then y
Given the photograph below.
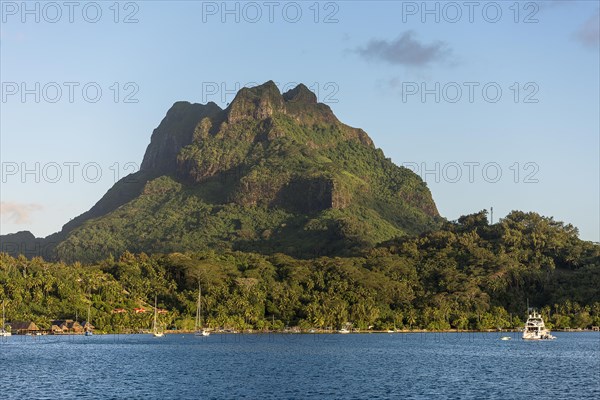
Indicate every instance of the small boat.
{"type": "Point", "coordinates": [343, 330]}
{"type": "Point", "coordinates": [155, 331]}
{"type": "Point", "coordinates": [505, 338]}
{"type": "Point", "coordinates": [200, 332]}
{"type": "Point", "coordinates": [3, 331]}
{"type": "Point", "coordinates": [535, 329]}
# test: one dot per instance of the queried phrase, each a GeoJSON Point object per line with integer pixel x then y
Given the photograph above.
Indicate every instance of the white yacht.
{"type": "Point", "coordinates": [535, 329]}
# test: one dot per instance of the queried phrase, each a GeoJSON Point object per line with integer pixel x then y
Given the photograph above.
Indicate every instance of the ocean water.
{"type": "Point", "coordinates": [308, 366]}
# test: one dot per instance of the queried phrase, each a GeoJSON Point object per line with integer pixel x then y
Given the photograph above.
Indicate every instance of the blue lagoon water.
{"type": "Point", "coordinates": [292, 366]}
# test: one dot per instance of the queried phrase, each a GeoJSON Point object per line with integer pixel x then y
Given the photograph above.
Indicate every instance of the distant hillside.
{"type": "Point", "coordinates": [270, 173]}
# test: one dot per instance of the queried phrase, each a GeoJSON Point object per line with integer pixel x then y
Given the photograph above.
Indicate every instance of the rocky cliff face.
{"type": "Point", "coordinates": [256, 103]}
{"type": "Point", "coordinates": [258, 114]}
{"type": "Point", "coordinates": [174, 132]}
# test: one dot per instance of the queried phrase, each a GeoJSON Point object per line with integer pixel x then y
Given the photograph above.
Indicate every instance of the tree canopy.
{"type": "Point", "coordinates": [467, 275]}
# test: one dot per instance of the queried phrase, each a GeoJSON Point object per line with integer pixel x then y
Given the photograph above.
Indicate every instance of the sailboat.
{"type": "Point", "coordinates": [198, 324]}
{"type": "Point", "coordinates": [3, 332]}
{"type": "Point", "coordinates": [155, 330]}
{"type": "Point", "coordinates": [88, 324]}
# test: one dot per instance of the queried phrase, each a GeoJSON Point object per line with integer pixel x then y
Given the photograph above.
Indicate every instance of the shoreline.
{"type": "Point", "coordinates": [316, 332]}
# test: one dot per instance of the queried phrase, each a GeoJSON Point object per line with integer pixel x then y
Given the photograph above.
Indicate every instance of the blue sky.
{"type": "Point", "coordinates": [529, 141]}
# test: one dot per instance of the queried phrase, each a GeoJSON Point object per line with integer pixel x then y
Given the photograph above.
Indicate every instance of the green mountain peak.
{"type": "Point", "coordinates": [270, 173]}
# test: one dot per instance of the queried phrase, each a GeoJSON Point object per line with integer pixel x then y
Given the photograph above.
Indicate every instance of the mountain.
{"type": "Point", "coordinates": [270, 173]}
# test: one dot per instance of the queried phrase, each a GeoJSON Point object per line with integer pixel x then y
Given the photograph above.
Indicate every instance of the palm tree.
{"type": "Point", "coordinates": [411, 317]}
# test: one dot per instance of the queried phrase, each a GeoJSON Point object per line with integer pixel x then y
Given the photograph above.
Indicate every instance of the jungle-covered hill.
{"type": "Point", "coordinates": [466, 275]}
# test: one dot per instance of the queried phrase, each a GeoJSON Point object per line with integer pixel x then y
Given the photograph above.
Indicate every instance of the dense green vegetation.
{"type": "Point", "coordinates": [170, 217]}
{"type": "Point", "coordinates": [467, 275]}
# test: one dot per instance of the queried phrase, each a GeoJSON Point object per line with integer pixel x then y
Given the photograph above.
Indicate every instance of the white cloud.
{"type": "Point", "coordinates": [405, 50]}
{"type": "Point", "coordinates": [18, 213]}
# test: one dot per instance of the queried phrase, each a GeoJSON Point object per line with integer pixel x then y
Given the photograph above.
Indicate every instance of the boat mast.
{"type": "Point", "coordinates": [155, 313]}
{"type": "Point", "coordinates": [199, 307]}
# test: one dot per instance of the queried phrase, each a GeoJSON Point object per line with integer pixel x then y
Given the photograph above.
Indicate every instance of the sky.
{"type": "Point", "coordinates": [493, 104]}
